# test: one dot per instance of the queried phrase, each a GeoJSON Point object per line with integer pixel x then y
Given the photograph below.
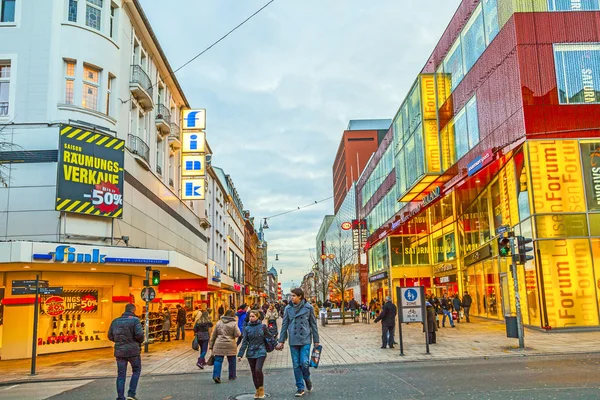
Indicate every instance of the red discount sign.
{"type": "Point", "coordinates": [54, 306]}
{"type": "Point", "coordinates": [89, 303]}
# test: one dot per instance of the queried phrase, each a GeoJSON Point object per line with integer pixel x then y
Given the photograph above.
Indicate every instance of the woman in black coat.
{"type": "Point", "coordinates": [253, 345]}
{"type": "Point", "coordinates": [431, 323]}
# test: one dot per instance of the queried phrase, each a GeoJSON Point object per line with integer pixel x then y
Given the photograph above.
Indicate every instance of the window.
{"type": "Point", "coordinates": [111, 79]}
{"type": "Point", "coordinates": [69, 81]}
{"type": "Point", "coordinates": [72, 16]}
{"type": "Point", "coordinates": [473, 39]}
{"type": "Point", "coordinates": [4, 88]}
{"type": "Point", "coordinates": [160, 155]}
{"type": "Point", "coordinates": [7, 11]}
{"type": "Point", "coordinates": [578, 73]}
{"type": "Point", "coordinates": [572, 5]}
{"type": "Point", "coordinates": [453, 64]}
{"type": "Point", "coordinates": [490, 15]}
{"type": "Point", "coordinates": [113, 21]}
{"type": "Point", "coordinates": [93, 14]}
{"type": "Point", "coordinates": [466, 128]}
{"type": "Point", "coordinates": [91, 80]}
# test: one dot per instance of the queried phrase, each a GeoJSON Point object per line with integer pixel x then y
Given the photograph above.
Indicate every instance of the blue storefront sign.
{"type": "Point", "coordinates": [70, 254]}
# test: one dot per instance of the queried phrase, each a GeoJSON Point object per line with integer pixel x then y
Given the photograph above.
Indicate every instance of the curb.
{"type": "Point", "coordinates": [399, 361]}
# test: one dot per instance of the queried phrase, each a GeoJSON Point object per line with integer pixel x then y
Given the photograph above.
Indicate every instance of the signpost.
{"type": "Point", "coordinates": [40, 290]}
{"type": "Point", "coordinates": [148, 294]}
{"type": "Point", "coordinates": [411, 301]}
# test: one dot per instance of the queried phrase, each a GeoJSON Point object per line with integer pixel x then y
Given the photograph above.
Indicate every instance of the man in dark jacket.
{"type": "Point", "coordinates": [466, 304]}
{"type": "Point", "coordinates": [221, 311]}
{"type": "Point", "coordinates": [181, 320]}
{"type": "Point", "coordinates": [388, 323]}
{"type": "Point", "coordinates": [127, 333]}
{"type": "Point", "coordinates": [456, 306]}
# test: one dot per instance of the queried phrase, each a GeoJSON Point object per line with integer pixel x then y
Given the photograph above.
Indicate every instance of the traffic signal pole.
{"type": "Point", "coordinates": [147, 324]}
{"type": "Point", "coordinates": [513, 269]}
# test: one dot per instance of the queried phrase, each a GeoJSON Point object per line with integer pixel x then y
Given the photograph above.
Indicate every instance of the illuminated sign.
{"type": "Point", "coordinates": [193, 189]}
{"type": "Point", "coordinates": [478, 163]}
{"type": "Point", "coordinates": [193, 165]}
{"type": "Point", "coordinates": [193, 142]}
{"type": "Point", "coordinates": [346, 226]}
{"type": "Point", "coordinates": [90, 173]}
{"type": "Point", "coordinates": [434, 194]}
{"type": "Point", "coordinates": [378, 277]}
{"type": "Point", "coordinates": [430, 127]}
{"type": "Point", "coordinates": [69, 254]}
{"type": "Point", "coordinates": [194, 119]}
{"type": "Point", "coordinates": [556, 176]}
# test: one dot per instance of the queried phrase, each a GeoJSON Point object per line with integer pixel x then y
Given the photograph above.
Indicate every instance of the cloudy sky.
{"type": "Point", "coordinates": [280, 91]}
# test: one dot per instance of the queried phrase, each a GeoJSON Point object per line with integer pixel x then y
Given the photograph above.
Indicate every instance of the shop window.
{"type": "Point", "coordinates": [573, 5]}
{"type": "Point", "coordinates": [594, 225]}
{"type": "Point", "coordinates": [473, 38]}
{"type": "Point", "coordinates": [578, 73]}
{"type": "Point", "coordinates": [414, 109]}
{"type": "Point", "coordinates": [484, 218]}
{"type": "Point", "coordinates": [522, 195]}
{"type": "Point", "coordinates": [496, 205]}
{"type": "Point", "coordinates": [449, 243]}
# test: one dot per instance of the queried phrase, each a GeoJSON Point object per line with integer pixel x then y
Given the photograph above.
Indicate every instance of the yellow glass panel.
{"type": "Point", "coordinates": [569, 283]}
{"type": "Point", "coordinates": [594, 225]}
{"type": "Point", "coordinates": [556, 176]}
{"type": "Point", "coordinates": [506, 8]}
{"type": "Point", "coordinates": [561, 225]}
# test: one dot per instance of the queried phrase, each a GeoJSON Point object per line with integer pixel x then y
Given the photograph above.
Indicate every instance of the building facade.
{"type": "Point", "coordinates": [500, 131]}
{"type": "Point", "coordinates": [91, 191]}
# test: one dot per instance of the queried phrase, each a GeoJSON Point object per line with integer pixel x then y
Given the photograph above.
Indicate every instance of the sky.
{"type": "Point", "coordinates": [279, 92]}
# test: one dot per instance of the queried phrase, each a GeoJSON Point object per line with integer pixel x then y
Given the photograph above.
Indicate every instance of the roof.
{"type": "Point", "coordinates": [273, 271]}
{"type": "Point", "coordinates": [368, 124]}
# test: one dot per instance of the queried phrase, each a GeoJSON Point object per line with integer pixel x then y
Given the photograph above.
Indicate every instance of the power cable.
{"type": "Point", "coordinates": [299, 208]}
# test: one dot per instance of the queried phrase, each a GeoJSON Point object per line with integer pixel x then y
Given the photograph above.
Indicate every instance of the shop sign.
{"type": "Point", "coordinates": [478, 163]}
{"type": "Point", "coordinates": [71, 302]}
{"type": "Point", "coordinates": [396, 224]}
{"type": "Point", "coordinates": [71, 254]}
{"type": "Point", "coordinates": [479, 255]}
{"type": "Point", "coordinates": [445, 279]}
{"type": "Point", "coordinates": [194, 119]}
{"type": "Point", "coordinates": [216, 274]}
{"type": "Point", "coordinates": [590, 154]}
{"type": "Point", "coordinates": [346, 226]}
{"type": "Point", "coordinates": [90, 173]}
{"type": "Point", "coordinates": [434, 194]}
{"type": "Point", "coordinates": [438, 269]}
{"type": "Point", "coordinates": [237, 287]}
{"type": "Point", "coordinates": [379, 276]}
{"type": "Point", "coordinates": [406, 215]}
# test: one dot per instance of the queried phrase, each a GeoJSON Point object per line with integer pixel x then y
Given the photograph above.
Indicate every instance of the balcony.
{"type": "Point", "coordinates": [163, 119]}
{"type": "Point", "coordinates": [175, 136]}
{"type": "Point", "coordinates": [141, 87]}
{"type": "Point", "coordinates": [140, 150]}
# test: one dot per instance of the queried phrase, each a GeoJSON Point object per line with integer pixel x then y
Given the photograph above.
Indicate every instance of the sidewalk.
{"type": "Point", "coordinates": [350, 344]}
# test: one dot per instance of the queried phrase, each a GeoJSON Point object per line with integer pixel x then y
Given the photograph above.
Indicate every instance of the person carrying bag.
{"type": "Point", "coordinates": [257, 341]}
{"type": "Point", "coordinates": [223, 344]}
{"type": "Point", "coordinates": [201, 329]}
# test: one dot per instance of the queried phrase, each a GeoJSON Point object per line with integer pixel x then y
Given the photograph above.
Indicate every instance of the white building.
{"type": "Point", "coordinates": [91, 72]}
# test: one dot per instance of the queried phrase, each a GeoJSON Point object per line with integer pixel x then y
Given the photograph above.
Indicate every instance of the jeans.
{"type": "Point", "coordinates": [467, 310]}
{"type": "Point", "coordinates": [300, 361]}
{"type": "Point", "coordinates": [448, 314]}
{"type": "Point", "coordinates": [256, 367]}
{"type": "Point", "coordinates": [219, 365]}
{"type": "Point", "coordinates": [182, 328]}
{"type": "Point", "coordinates": [136, 367]}
{"type": "Point", "coordinates": [203, 349]}
{"type": "Point", "coordinates": [387, 335]}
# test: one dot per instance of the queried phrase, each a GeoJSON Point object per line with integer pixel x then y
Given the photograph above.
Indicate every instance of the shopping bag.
{"type": "Point", "coordinates": [316, 356]}
{"type": "Point", "coordinates": [211, 360]}
{"type": "Point", "coordinates": [195, 344]}
{"type": "Point", "coordinates": [454, 315]}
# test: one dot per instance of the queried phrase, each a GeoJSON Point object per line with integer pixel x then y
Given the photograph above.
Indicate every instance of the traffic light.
{"type": "Point", "coordinates": [155, 277]}
{"type": "Point", "coordinates": [504, 247]}
{"type": "Point", "coordinates": [524, 249]}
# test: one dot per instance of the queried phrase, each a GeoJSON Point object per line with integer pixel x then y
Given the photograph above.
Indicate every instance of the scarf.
{"type": "Point", "coordinates": [298, 307]}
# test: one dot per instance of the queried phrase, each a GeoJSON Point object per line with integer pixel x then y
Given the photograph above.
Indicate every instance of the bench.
{"type": "Point", "coordinates": [331, 315]}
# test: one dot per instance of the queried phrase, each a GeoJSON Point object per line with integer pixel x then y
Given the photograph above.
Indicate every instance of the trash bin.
{"type": "Point", "coordinates": [512, 330]}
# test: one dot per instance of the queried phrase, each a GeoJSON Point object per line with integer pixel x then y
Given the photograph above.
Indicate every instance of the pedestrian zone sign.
{"type": "Point", "coordinates": [410, 297]}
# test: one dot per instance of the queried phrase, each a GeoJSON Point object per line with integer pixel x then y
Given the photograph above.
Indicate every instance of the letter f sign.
{"type": "Point", "coordinates": [191, 119]}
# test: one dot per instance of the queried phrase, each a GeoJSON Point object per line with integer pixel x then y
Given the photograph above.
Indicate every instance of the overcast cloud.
{"type": "Point", "coordinates": [281, 89]}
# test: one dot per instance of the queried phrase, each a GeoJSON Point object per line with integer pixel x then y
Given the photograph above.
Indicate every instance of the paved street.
{"type": "Point", "coordinates": [351, 344]}
{"type": "Point", "coordinates": [537, 378]}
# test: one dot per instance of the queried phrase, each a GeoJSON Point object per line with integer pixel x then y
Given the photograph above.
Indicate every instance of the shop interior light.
{"type": "Point", "coordinates": [27, 267]}
{"type": "Point", "coordinates": [104, 301]}
{"type": "Point", "coordinates": [93, 269]}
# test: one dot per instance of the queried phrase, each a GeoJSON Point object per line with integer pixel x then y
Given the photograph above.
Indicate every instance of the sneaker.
{"type": "Point", "coordinates": [309, 385]}
{"type": "Point", "coordinates": [454, 326]}
{"type": "Point", "coordinates": [383, 347]}
{"type": "Point", "coordinates": [299, 393]}
{"type": "Point", "coordinates": [199, 365]}
{"type": "Point", "coordinates": [217, 380]}
{"type": "Point", "coordinates": [392, 346]}
{"type": "Point", "coordinates": [131, 398]}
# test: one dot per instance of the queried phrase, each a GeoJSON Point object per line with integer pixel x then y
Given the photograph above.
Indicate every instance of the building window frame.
{"type": "Point", "coordinates": [8, 11]}
{"type": "Point", "coordinates": [89, 84]}
{"type": "Point", "coordinates": [93, 14]}
{"type": "Point", "coordinates": [110, 83]}
{"type": "Point", "coordinates": [565, 73]}
{"type": "Point", "coordinates": [72, 9]}
{"type": "Point", "coordinates": [70, 81]}
{"type": "Point", "coordinates": [6, 67]}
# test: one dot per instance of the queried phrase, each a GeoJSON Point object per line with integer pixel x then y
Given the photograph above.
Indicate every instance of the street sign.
{"type": "Point", "coordinates": [412, 315]}
{"type": "Point", "coordinates": [148, 294]}
{"type": "Point", "coordinates": [31, 290]}
{"type": "Point", "coordinates": [501, 229]}
{"type": "Point", "coordinates": [410, 298]}
{"type": "Point", "coordinates": [411, 308]}
{"type": "Point", "coordinates": [28, 283]}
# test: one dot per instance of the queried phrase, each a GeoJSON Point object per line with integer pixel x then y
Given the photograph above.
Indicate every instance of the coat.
{"type": "Point", "coordinates": [253, 343]}
{"type": "Point", "coordinates": [353, 305]}
{"type": "Point", "coordinates": [222, 341]}
{"type": "Point", "coordinates": [467, 300]}
{"type": "Point", "coordinates": [271, 315]}
{"type": "Point", "coordinates": [181, 316]}
{"type": "Point", "coordinates": [431, 323]}
{"type": "Point", "coordinates": [241, 316]}
{"type": "Point", "coordinates": [201, 330]}
{"type": "Point", "coordinates": [166, 321]}
{"type": "Point", "coordinates": [127, 333]}
{"type": "Point", "coordinates": [456, 303]}
{"type": "Point", "coordinates": [387, 315]}
{"type": "Point", "coordinates": [300, 327]}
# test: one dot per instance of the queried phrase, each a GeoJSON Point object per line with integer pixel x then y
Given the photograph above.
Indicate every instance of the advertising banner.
{"type": "Point", "coordinates": [590, 156]}
{"type": "Point", "coordinates": [70, 302]}
{"type": "Point", "coordinates": [90, 173]}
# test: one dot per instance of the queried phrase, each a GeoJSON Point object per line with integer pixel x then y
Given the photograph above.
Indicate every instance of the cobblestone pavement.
{"type": "Point", "coordinates": [353, 343]}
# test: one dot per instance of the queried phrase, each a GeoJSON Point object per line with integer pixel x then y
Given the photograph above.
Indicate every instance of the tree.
{"type": "Point", "coordinates": [343, 268]}
{"type": "Point", "coordinates": [322, 276]}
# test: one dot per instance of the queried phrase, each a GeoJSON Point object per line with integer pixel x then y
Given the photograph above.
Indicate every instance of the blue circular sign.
{"type": "Point", "coordinates": [411, 294]}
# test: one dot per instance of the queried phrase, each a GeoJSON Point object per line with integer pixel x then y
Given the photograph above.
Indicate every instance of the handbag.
{"type": "Point", "coordinates": [195, 344]}
{"type": "Point", "coordinates": [211, 360]}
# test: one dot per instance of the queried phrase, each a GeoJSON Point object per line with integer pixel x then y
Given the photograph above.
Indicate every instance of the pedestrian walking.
{"type": "Point", "coordinates": [300, 326]}
{"type": "Point", "coordinates": [127, 333]}
{"type": "Point", "coordinates": [241, 315]}
{"type": "Point", "coordinates": [456, 306]}
{"type": "Point", "coordinates": [196, 314]}
{"type": "Point", "coordinates": [253, 346]}
{"type": "Point", "coordinates": [181, 320]}
{"type": "Point", "coordinates": [388, 323]}
{"type": "Point", "coordinates": [221, 311]}
{"type": "Point", "coordinates": [222, 344]}
{"type": "Point", "coordinates": [466, 305]}
{"type": "Point", "coordinates": [201, 330]}
{"type": "Point", "coordinates": [447, 310]}
{"type": "Point", "coordinates": [431, 324]}
{"type": "Point", "coordinates": [166, 325]}
{"type": "Point", "coordinates": [271, 317]}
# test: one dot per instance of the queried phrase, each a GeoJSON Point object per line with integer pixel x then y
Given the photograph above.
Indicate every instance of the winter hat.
{"type": "Point", "coordinates": [130, 307]}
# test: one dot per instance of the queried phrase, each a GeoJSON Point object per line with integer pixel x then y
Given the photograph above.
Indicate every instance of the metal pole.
{"type": "Point", "coordinates": [35, 325]}
{"type": "Point", "coordinates": [398, 296]}
{"type": "Point", "coordinates": [424, 313]}
{"type": "Point", "coordinates": [147, 324]}
{"type": "Point", "coordinates": [513, 269]}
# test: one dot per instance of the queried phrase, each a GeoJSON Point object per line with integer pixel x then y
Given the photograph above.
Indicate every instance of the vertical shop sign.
{"type": "Point", "coordinates": [556, 176]}
{"type": "Point", "coordinates": [90, 173]}
{"type": "Point", "coordinates": [430, 126]}
{"type": "Point", "coordinates": [590, 156]}
{"type": "Point", "coordinates": [193, 157]}
{"type": "Point", "coordinates": [569, 283]}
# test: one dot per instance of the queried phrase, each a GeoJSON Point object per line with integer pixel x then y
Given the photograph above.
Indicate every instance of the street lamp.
{"type": "Point", "coordinates": [265, 224]}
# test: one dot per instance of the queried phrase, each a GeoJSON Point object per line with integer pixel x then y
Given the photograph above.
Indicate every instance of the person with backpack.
{"type": "Point", "coordinates": [201, 329]}
{"type": "Point", "coordinates": [254, 347]}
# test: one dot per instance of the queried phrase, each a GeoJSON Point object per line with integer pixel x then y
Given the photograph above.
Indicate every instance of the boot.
{"type": "Point", "coordinates": [200, 363]}
{"type": "Point", "coordinates": [260, 393]}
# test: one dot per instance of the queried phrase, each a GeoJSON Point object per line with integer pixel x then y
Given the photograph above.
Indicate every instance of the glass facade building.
{"type": "Point", "coordinates": [501, 129]}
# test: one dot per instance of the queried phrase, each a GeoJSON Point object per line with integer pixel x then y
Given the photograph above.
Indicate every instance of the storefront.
{"type": "Point", "coordinates": [379, 287]}
{"type": "Point", "coordinates": [95, 281]}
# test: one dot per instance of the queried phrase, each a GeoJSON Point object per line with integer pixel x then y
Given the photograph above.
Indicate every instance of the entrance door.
{"type": "Point", "coordinates": [505, 294]}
